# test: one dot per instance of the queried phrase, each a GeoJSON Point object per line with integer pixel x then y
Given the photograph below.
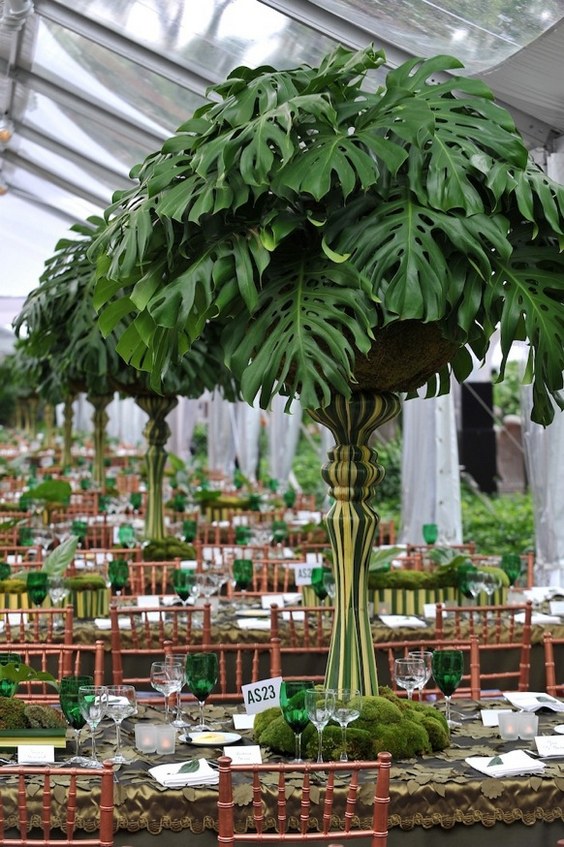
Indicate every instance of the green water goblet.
{"type": "Point", "coordinates": [430, 532]}
{"type": "Point", "coordinates": [294, 711]}
{"type": "Point", "coordinates": [448, 667]}
{"type": "Point", "coordinates": [183, 582]}
{"type": "Point", "coordinates": [118, 574]}
{"type": "Point", "coordinates": [202, 671]}
{"type": "Point", "coordinates": [512, 566]}
{"type": "Point", "coordinates": [68, 701]}
{"type": "Point", "coordinates": [8, 687]}
{"type": "Point", "coordinates": [37, 586]}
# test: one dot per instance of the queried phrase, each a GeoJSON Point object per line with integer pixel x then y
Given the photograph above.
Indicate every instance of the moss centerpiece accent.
{"type": "Point", "coordinates": [352, 475]}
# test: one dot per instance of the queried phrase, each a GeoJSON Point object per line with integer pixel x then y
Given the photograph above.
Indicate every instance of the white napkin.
{"type": "Point", "coordinates": [253, 623]}
{"type": "Point", "coordinates": [397, 621]}
{"type": "Point", "coordinates": [105, 623]}
{"type": "Point", "coordinates": [537, 618]}
{"type": "Point", "coordinates": [531, 701]}
{"type": "Point", "coordinates": [169, 776]}
{"type": "Point", "coordinates": [513, 763]}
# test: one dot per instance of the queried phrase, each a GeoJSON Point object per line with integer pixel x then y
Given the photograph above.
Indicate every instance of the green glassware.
{"type": "Point", "coordinates": [68, 700]}
{"type": "Point", "coordinates": [183, 582]}
{"type": "Point", "coordinates": [118, 574]}
{"type": "Point", "coordinates": [294, 710]}
{"type": "Point", "coordinates": [512, 566]}
{"type": "Point", "coordinates": [37, 586]}
{"type": "Point", "coordinates": [448, 667]}
{"type": "Point", "coordinates": [126, 535]}
{"type": "Point", "coordinates": [25, 536]}
{"type": "Point", "coordinates": [430, 533]}
{"type": "Point", "coordinates": [189, 530]}
{"type": "Point", "coordinates": [202, 671]}
{"type": "Point", "coordinates": [279, 531]}
{"type": "Point", "coordinates": [5, 570]}
{"type": "Point", "coordinates": [242, 534]}
{"type": "Point", "coordinates": [242, 574]}
{"type": "Point", "coordinates": [318, 582]}
{"type": "Point", "coordinates": [79, 528]}
{"type": "Point", "coordinates": [7, 686]}
{"type": "Point", "coordinates": [289, 498]}
{"type": "Point", "coordinates": [135, 500]}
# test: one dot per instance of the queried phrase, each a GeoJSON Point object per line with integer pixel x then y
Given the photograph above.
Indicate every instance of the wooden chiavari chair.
{"type": "Point", "coordinates": [59, 660]}
{"type": "Point", "coordinates": [334, 804]}
{"type": "Point", "coordinates": [53, 814]}
{"type": "Point", "coordinates": [553, 687]}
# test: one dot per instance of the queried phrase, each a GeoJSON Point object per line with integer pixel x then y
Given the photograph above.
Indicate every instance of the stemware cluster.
{"type": "Point", "coordinates": [301, 703]}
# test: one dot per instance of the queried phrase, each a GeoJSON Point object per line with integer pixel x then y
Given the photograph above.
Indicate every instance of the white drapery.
{"type": "Point", "coordinates": [544, 459]}
{"type": "Point", "coordinates": [283, 435]}
{"type": "Point", "coordinates": [182, 421]}
{"type": "Point", "coordinates": [245, 421]}
{"type": "Point", "coordinates": [221, 440]}
{"type": "Point", "coordinates": [430, 470]}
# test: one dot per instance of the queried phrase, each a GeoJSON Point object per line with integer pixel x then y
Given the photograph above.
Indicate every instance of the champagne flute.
{"type": "Point", "coordinates": [93, 702]}
{"type": "Point", "coordinates": [201, 676]}
{"type": "Point", "coordinates": [409, 673]}
{"type": "Point", "coordinates": [68, 700]}
{"type": "Point", "coordinates": [164, 680]}
{"type": "Point", "coordinates": [294, 711]}
{"type": "Point", "coordinates": [122, 703]}
{"type": "Point", "coordinates": [448, 666]}
{"type": "Point", "coordinates": [320, 705]}
{"type": "Point", "coordinates": [348, 703]}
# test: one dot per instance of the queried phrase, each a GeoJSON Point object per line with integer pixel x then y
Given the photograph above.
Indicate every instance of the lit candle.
{"type": "Point", "coordinates": [166, 739]}
{"type": "Point", "coordinates": [508, 725]}
{"type": "Point", "coordinates": [528, 725]}
{"type": "Point", "coordinates": [146, 737]}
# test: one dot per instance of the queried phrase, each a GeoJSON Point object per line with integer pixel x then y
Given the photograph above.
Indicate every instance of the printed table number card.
{"type": "Point", "coordinates": [303, 573]}
{"type": "Point", "coordinates": [261, 695]}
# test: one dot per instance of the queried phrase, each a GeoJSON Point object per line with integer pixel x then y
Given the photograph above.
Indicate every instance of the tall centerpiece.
{"type": "Point", "coordinates": [354, 236]}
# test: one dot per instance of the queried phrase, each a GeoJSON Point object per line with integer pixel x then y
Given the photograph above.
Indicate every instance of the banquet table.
{"type": "Point", "coordinates": [432, 797]}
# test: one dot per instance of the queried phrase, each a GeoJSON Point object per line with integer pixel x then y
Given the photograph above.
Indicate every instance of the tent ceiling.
{"type": "Point", "coordinates": [92, 86]}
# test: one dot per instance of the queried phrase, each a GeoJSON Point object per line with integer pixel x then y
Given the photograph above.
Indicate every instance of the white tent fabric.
{"type": "Point", "coordinates": [221, 441]}
{"type": "Point", "coordinates": [430, 470]}
{"type": "Point", "coordinates": [246, 421]}
{"type": "Point", "coordinates": [544, 457]}
{"type": "Point", "coordinates": [182, 421]}
{"type": "Point", "coordinates": [283, 435]}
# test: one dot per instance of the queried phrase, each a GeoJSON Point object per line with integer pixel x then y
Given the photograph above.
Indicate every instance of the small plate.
{"type": "Point", "coordinates": [559, 728]}
{"type": "Point", "coordinates": [210, 739]}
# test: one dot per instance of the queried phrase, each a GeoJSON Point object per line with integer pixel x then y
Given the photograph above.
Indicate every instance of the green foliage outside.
{"type": "Point", "coordinates": [498, 524]}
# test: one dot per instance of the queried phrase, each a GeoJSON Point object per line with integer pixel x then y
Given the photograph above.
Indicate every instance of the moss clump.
{"type": "Point", "coordinates": [12, 713]}
{"type": "Point", "coordinates": [13, 586]}
{"type": "Point", "coordinates": [92, 582]}
{"type": "Point", "coordinates": [386, 722]}
{"type": "Point", "coordinates": [43, 717]}
{"type": "Point", "coordinates": [168, 548]}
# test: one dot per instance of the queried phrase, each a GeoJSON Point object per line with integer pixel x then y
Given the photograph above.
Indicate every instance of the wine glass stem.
{"type": "Point", "coordinates": [118, 737]}
{"type": "Point", "coordinates": [76, 742]}
{"type": "Point", "coordinates": [298, 742]}
{"type": "Point", "coordinates": [447, 709]}
{"type": "Point", "coordinates": [410, 693]}
{"type": "Point", "coordinates": [320, 747]}
{"type": "Point", "coordinates": [166, 710]}
{"type": "Point", "coordinates": [344, 756]}
{"type": "Point", "coordinates": [178, 705]}
{"type": "Point", "coordinates": [92, 730]}
{"type": "Point", "coordinates": [201, 704]}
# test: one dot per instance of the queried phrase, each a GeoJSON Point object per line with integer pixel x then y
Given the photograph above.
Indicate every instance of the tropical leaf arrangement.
{"type": "Point", "coordinates": [313, 219]}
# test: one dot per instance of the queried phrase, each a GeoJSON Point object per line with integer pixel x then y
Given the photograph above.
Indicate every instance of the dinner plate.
{"type": "Point", "coordinates": [559, 728]}
{"type": "Point", "coordinates": [210, 739]}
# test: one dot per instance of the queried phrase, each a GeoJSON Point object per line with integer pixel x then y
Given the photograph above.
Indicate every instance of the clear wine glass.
{"type": "Point", "coordinates": [409, 673]}
{"type": "Point", "coordinates": [292, 703]}
{"type": "Point", "coordinates": [348, 704]}
{"type": "Point", "coordinates": [448, 666]}
{"type": "Point", "coordinates": [58, 590]}
{"type": "Point", "coordinates": [320, 706]}
{"type": "Point", "coordinates": [427, 656]}
{"type": "Point", "coordinates": [68, 700]}
{"type": "Point", "coordinates": [474, 583]}
{"type": "Point", "coordinates": [491, 583]}
{"type": "Point", "coordinates": [122, 703]}
{"type": "Point", "coordinates": [165, 680]}
{"type": "Point", "coordinates": [93, 702]}
{"type": "Point", "coordinates": [202, 670]}
{"type": "Point", "coordinates": [179, 660]}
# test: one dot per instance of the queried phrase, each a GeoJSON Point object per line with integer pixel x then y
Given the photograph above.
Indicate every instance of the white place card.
{"type": "Point", "coordinates": [249, 755]}
{"type": "Point", "coordinates": [303, 573]}
{"type": "Point", "coordinates": [243, 721]}
{"type": "Point", "coordinates": [557, 607]}
{"type": "Point", "coordinates": [293, 616]}
{"type": "Point", "coordinates": [490, 717]}
{"type": "Point", "coordinates": [550, 745]}
{"type": "Point", "coordinates": [149, 601]}
{"type": "Point", "coordinates": [315, 560]}
{"type": "Point", "coordinates": [17, 618]}
{"type": "Point", "coordinates": [188, 564]}
{"type": "Point", "coordinates": [261, 695]}
{"type": "Point", "coordinates": [35, 754]}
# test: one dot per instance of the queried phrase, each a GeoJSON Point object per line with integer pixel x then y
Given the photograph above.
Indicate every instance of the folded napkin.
{"type": "Point", "coordinates": [171, 776]}
{"type": "Point", "coordinates": [253, 623]}
{"type": "Point", "coordinates": [532, 701]}
{"type": "Point", "coordinates": [509, 764]}
{"type": "Point", "coordinates": [397, 621]}
{"type": "Point", "coordinates": [105, 623]}
{"type": "Point", "coordinates": [537, 618]}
